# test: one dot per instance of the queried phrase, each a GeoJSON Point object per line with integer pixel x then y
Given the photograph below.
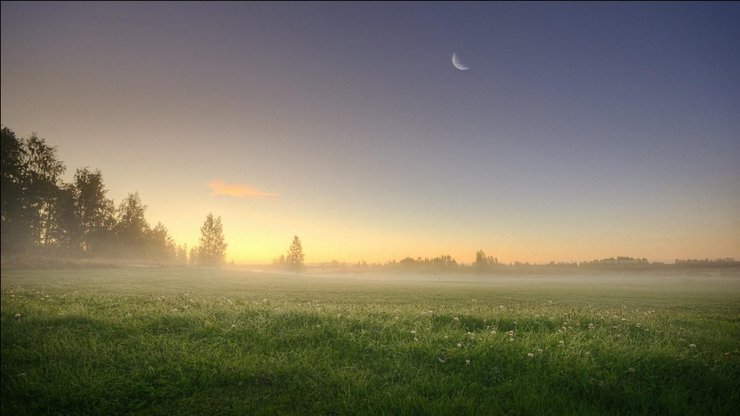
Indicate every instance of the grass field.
{"type": "Point", "coordinates": [190, 341]}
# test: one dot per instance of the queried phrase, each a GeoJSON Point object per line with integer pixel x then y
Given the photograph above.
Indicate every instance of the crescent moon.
{"type": "Point", "coordinates": [457, 63]}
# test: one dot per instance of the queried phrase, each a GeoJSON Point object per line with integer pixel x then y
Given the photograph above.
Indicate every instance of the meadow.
{"type": "Point", "coordinates": [169, 341]}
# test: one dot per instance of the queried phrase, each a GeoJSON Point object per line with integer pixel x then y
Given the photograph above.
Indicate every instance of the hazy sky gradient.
{"type": "Point", "coordinates": [581, 131]}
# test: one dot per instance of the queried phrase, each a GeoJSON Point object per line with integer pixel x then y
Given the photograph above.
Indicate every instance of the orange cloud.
{"type": "Point", "coordinates": [219, 187]}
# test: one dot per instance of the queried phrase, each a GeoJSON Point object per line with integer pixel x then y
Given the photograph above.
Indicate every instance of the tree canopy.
{"type": "Point", "coordinates": [212, 249]}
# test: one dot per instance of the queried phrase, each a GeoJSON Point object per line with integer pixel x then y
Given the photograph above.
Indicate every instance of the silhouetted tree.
{"type": "Point", "coordinates": [15, 232]}
{"type": "Point", "coordinates": [193, 258]}
{"type": "Point", "coordinates": [212, 250]}
{"type": "Point", "coordinates": [295, 256]}
{"type": "Point", "coordinates": [444, 262]}
{"type": "Point", "coordinates": [30, 188]}
{"type": "Point", "coordinates": [64, 230]}
{"type": "Point", "coordinates": [181, 255]}
{"type": "Point", "coordinates": [131, 227]}
{"type": "Point", "coordinates": [279, 261]}
{"type": "Point", "coordinates": [483, 262]}
{"type": "Point", "coordinates": [161, 245]}
{"type": "Point", "coordinates": [93, 211]}
{"type": "Point", "coordinates": [42, 179]}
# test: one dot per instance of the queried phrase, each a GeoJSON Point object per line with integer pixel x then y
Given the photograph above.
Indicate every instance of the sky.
{"type": "Point", "coordinates": [579, 131]}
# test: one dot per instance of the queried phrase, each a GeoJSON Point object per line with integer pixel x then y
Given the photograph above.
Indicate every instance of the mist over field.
{"type": "Point", "coordinates": [363, 208]}
{"type": "Point", "coordinates": [189, 341]}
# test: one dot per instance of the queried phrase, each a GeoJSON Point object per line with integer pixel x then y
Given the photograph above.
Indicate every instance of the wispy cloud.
{"type": "Point", "coordinates": [219, 187]}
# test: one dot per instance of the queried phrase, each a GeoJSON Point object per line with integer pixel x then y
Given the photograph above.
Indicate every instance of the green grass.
{"type": "Point", "coordinates": [189, 341]}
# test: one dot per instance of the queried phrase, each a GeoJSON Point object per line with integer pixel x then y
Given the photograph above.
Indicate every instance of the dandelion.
{"type": "Point", "coordinates": [511, 333]}
{"type": "Point", "coordinates": [413, 332]}
{"type": "Point", "coordinates": [459, 345]}
{"type": "Point", "coordinates": [456, 319]}
{"type": "Point", "coordinates": [530, 355]}
{"type": "Point", "coordinates": [511, 339]}
{"type": "Point", "coordinates": [631, 370]}
{"type": "Point", "coordinates": [591, 326]}
{"type": "Point", "coordinates": [692, 345]}
{"type": "Point", "coordinates": [17, 315]}
{"type": "Point", "coordinates": [561, 343]}
{"type": "Point", "coordinates": [441, 359]}
{"type": "Point", "coordinates": [493, 332]}
{"type": "Point", "coordinates": [467, 362]}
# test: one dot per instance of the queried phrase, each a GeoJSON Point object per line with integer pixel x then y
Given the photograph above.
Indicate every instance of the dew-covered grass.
{"type": "Point", "coordinates": [190, 341]}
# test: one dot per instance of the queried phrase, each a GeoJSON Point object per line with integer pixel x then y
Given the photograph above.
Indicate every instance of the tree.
{"type": "Point", "coordinates": [131, 229]}
{"type": "Point", "coordinates": [483, 262]}
{"type": "Point", "coordinates": [295, 256]}
{"type": "Point", "coordinates": [14, 232]}
{"type": "Point", "coordinates": [181, 255]}
{"type": "Point", "coordinates": [212, 250]}
{"type": "Point", "coordinates": [42, 173]}
{"type": "Point", "coordinates": [161, 245]}
{"type": "Point", "coordinates": [193, 258]}
{"type": "Point", "coordinates": [31, 186]}
{"type": "Point", "coordinates": [94, 212]}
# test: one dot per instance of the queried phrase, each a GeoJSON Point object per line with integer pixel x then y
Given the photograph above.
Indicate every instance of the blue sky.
{"type": "Point", "coordinates": [581, 130]}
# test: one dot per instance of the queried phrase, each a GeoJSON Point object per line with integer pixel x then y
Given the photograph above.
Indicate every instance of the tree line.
{"type": "Point", "coordinates": [44, 216]}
